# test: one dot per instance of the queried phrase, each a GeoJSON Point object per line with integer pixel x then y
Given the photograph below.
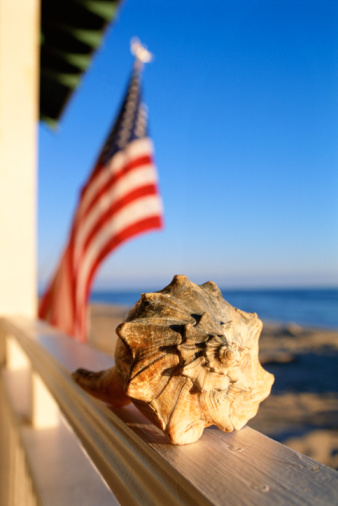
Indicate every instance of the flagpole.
{"type": "Point", "coordinates": [104, 219]}
{"type": "Point", "coordinates": [141, 53]}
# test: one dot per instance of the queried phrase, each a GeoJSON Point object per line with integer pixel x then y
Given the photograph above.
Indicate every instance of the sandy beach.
{"type": "Point", "coordinates": [302, 410]}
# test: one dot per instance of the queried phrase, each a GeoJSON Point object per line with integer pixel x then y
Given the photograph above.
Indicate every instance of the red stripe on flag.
{"type": "Point", "coordinates": [114, 206]}
{"type": "Point", "coordinates": [134, 195]}
{"type": "Point", "coordinates": [137, 228]}
{"type": "Point", "coordinates": [136, 164]}
{"type": "Point", "coordinates": [131, 165]}
{"type": "Point", "coordinates": [57, 305]}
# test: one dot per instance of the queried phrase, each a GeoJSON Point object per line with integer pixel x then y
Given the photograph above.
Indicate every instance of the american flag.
{"type": "Point", "coordinates": [120, 200]}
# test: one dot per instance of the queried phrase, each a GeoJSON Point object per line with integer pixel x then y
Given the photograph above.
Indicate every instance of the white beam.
{"type": "Point", "coordinates": [19, 71]}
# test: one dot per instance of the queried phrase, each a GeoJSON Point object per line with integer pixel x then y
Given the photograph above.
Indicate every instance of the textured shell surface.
{"type": "Point", "coordinates": [189, 359]}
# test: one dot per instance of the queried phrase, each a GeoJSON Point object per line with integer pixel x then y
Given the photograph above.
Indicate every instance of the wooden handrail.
{"type": "Point", "coordinates": [138, 463]}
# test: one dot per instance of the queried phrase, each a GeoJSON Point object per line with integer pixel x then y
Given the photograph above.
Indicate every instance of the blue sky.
{"type": "Point", "coordinates": [242, 100]}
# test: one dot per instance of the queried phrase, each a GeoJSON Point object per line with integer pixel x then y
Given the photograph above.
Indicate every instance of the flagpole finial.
{"type": "Point", "coordinates": [141, 53]}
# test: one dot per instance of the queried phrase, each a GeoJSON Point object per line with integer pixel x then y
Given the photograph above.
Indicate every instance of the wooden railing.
{"type": "Point", "coordinates": [60, 446]}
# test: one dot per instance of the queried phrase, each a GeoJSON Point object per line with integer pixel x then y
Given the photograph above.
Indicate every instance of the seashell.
{"type": "Point", "coordinates": [187, 359]}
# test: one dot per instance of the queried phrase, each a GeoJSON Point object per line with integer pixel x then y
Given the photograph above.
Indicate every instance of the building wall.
{"type": "Point", "coordinates": [19, 67]}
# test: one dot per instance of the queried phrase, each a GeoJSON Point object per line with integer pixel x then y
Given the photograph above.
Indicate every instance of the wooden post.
{"type": "Point", "coordinates": [45, 412]}
{"type": "Point", "coordinates": [19, 71]}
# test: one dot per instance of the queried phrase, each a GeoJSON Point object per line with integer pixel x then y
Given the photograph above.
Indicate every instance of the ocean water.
{"type": "Point", "coordinates": [309, 307]}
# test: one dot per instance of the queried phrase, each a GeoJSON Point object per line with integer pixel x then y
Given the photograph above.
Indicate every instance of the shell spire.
{"type": "Point", "coordinates": [187, 359]}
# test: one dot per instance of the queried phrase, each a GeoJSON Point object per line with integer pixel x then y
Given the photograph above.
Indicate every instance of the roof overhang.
{"type": "Point", "coordinates": [71, 31]}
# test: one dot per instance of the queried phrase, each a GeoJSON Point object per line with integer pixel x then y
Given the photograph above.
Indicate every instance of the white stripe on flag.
{"type": "Point", "coordinates": [142, 209]}
{"type": "Point", "coordinates": [131, 181]}
{"type": "Point", "coordinates": [136, 149]}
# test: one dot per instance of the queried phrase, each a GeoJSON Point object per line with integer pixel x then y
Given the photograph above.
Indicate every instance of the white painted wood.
{"type": "Point", "coordinates": [45, 411]}
{"type": "Point", "coordinates": [16, 359]}
{"type": "Point", "coordinates": [63, 474]}
{"type": "Point", "coordinates": [16, 486]}
{"type": "Point", "coordinates": [142, 467]}
{"type": "Point", "coordinates": [242, 467]}
{"type": "Point", "coordinates": [19, 76]}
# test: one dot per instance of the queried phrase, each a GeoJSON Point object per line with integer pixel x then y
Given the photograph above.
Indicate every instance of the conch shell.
{"type": "Point", "coordinates": [187, 359]}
